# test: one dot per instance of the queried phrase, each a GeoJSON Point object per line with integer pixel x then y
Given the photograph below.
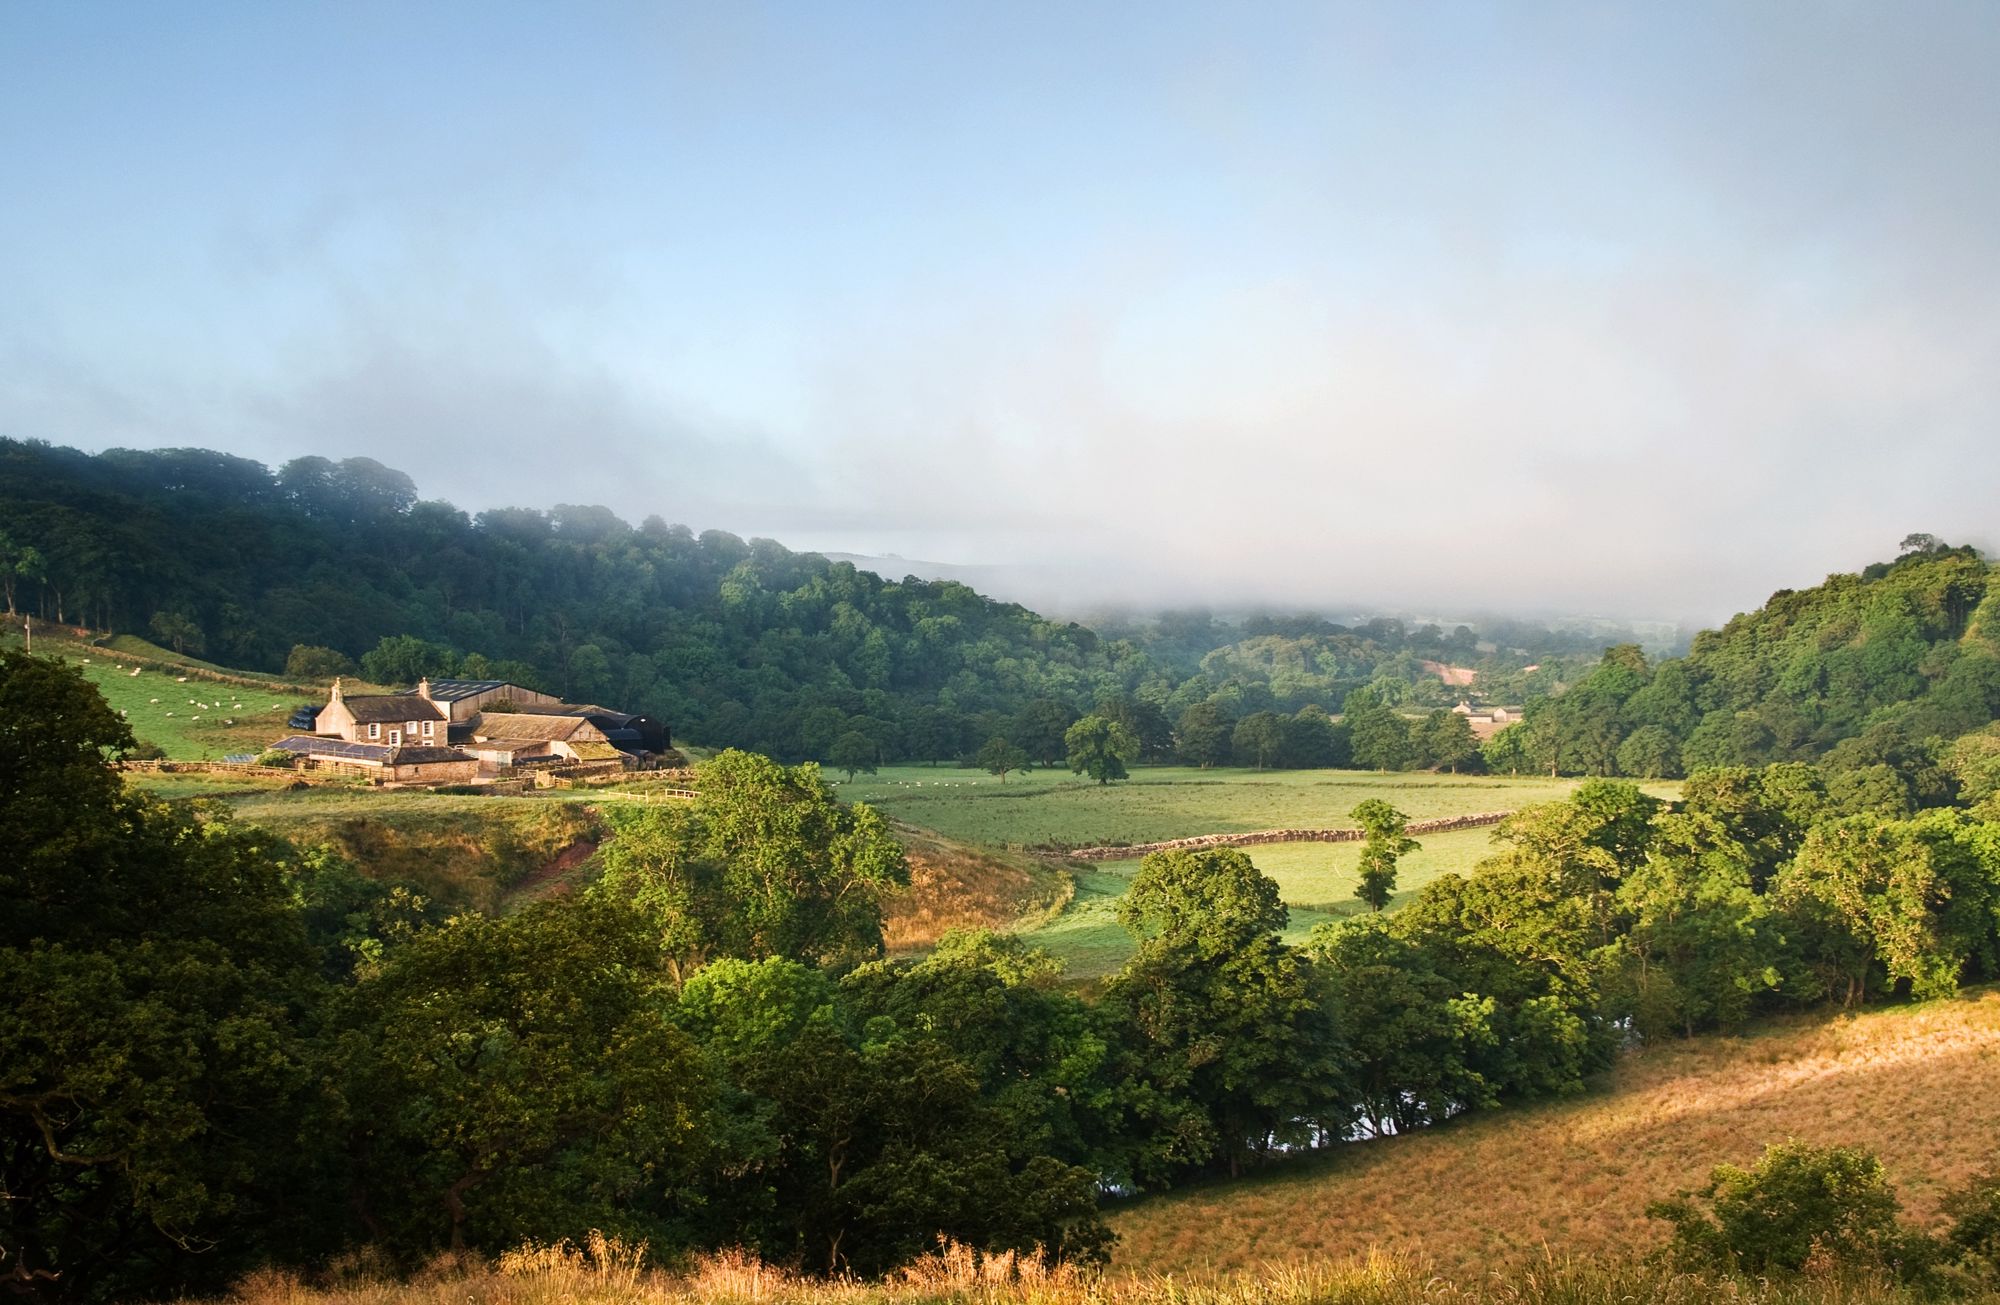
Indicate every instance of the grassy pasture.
{"type": "Point", "coordinates": [1316, 880]}
{"type": "Point", "coordinates": [1163, 802]}
{"type": "Point", "coordinates": [194, 720]}
{"type": "Point", "coordinates": [1914, 1084]}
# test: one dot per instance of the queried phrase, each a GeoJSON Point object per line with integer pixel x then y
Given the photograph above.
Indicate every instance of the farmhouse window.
{"type": "Point", "coordinates": [374, 731]}
{"type": "Point", "coordinates": [395, 737]}
{"type": "Point", "coordinates": [427, 728]}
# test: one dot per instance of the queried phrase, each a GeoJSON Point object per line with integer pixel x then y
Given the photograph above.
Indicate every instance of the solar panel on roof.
{"type": "Point", "coordinates": [317, 747]}
{"type": "Point", "coordinates": [453, 690]}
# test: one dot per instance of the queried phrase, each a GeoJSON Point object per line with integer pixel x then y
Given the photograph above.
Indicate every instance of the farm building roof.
{"type": "Point", "coordinates": [453, 690]}
{"type": "Point", "coordinates": [374, 754]}
{"type": "Point", "coordinates": [588, 710]}
{"type": "Point", "coordinates": [382, 708]}
{"type": "Point", "coordinates": [313, 746]}
{"type": "Point", "coordinates": [520, 725]}
{"type": "Point", "coordinates": [588, 751]}
{"type": "Point", "coordinates": [426, 756]}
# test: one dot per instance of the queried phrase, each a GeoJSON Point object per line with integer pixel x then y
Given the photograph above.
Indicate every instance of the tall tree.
{"type": "Point", "coordinates": [153, 1071]}
{"type": "Point", "coordinates": [1259, 737]}
{"type": "Point", "coordinates": [1100, 748]}
{"type": "Point", "coordinates": [1227, 1017]}
{"type": "Point", "coordinates": [513, 1077]}
{"type": "Point", "coordinates": [998, 756]}
{"type": "Point", "coordinates": [1202, 736]}
{"type": "Point", "coordinates": [1386, 843]}
{"type": "Point", "coordinates": [1039, 728]}
{"type": "Point", "coordinates": [853, 753]}
{"type": "Point", "coordinates": [765, 862]}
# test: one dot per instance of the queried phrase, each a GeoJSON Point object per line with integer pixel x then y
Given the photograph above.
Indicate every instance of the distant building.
{"type": "Point", "coordinates": [384, 736]}
{"type": "Point", "coordinates": [1487, 721]}
{"type": "Point", "coordinates": [451, 730]}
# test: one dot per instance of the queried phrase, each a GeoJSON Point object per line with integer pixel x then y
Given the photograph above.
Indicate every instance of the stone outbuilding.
{"type": "Point", "coordinates": [381, 762]}
{"type": "Point", "coordinates": [514, 738]}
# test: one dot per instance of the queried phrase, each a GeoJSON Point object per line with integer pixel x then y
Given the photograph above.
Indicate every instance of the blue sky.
{"type": "Point", "coordinates": [1638, 308]}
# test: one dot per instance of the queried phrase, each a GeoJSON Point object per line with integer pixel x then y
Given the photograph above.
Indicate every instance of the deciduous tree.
{"type": "Point", "coordinates": [1100, 748]}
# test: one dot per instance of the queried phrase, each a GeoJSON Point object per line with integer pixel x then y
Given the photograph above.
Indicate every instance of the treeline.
{"type": "Point", "coordinates": [217, 1050]}
{"type": "Point", "coordinates": [323, 567]}
{"type": "Point", "coordinates": [1870, 675]}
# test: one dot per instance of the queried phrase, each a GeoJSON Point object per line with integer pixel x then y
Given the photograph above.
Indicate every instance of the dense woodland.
{"type": "Point", "coordinates": [1871, 675]}
{"type": "Point", "coordinates": [218, 1050]}
{"type": "Point", "coordinates": [324, 566]}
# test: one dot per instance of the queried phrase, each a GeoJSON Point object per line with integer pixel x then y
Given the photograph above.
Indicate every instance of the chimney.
{"type": "Point", "coordinates": [336, 690]}
{"type": "Point", "coordinates": [424, 688]}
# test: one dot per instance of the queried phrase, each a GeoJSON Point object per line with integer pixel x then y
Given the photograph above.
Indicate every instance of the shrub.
{"type": "Point", "coordinates": [1972, 1242]}
{"type": "Point", "coordinates": [1798, 1204]}
{"type": "Point", "coordinates": [278, 757]}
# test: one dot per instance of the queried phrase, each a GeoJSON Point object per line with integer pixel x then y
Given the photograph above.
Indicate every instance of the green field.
{"type": "Point", "coordinates": [1316, 879]}
{"type": "Point", "coordinates": [1055, 807]}
{"type": "Point", "coordinates": [192, 719]}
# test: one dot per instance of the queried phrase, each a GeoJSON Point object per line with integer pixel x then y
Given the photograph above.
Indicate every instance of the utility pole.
{"type": "Point", "coordinates": [27, 633]}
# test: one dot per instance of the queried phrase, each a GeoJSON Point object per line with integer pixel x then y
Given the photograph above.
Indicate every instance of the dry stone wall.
{"type": "Point", "coordinates": [1417, 828]}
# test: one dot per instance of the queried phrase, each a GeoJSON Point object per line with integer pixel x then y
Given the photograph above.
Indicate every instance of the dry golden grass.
{"type": "Point", "coordinates": [482, 853]}
{"type": "Point", "coordinates": [1918, 1085]}
{"type": "Point", "coordinates": [604, 1272]}
{"type": "Point", "coordinates": [955, 886]}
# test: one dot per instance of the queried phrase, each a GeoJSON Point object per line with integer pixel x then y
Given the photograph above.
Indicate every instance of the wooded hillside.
{"type": "Point", "coordinates": [1871, 674]}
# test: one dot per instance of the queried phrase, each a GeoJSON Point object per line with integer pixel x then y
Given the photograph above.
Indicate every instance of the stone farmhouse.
{"type": "Point", "coordinates": [456, 731]}
{"type": "Point", "coordinates": [384, 736]}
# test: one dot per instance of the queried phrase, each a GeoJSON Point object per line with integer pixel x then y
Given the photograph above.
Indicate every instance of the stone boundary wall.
{"type": "Point", "coordinates": [282, 688]}
{"type": "Point", "coordinates": [216, 768]}
{"type": "Point", "coordinates": [1443, 825]}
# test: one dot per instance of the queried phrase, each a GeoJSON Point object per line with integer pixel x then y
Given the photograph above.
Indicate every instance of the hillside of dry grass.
{"type": "Point", "coordinates": [1917, 1085]}
{"type": "Point", "coordinates": [953, 886]}
{"type": "Point", "coordinates": [607, 1273]}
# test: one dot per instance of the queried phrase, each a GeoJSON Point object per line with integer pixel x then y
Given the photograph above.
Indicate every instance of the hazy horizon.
{"type": "Point", "coordinates": [1545, 308]}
